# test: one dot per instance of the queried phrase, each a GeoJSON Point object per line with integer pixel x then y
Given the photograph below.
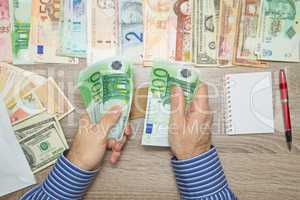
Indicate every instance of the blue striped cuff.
{"type": "Point", "coordinates": [67, 181]}
{"type": "Point", "coordinates": [201, 176]}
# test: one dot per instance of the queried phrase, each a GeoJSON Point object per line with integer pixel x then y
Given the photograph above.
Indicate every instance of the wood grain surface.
{"type": "Point", "coordinates": [257, 166]}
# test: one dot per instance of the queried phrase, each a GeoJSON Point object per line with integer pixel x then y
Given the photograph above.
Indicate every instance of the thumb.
{"type": "Point", "coordinates": [110, 119]}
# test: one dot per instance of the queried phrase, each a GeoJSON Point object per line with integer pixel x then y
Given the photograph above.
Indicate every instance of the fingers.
{"type": "Point", "coordinates": [200, 103]}
{"type": "Point", "coordinates": [117, 148]}
{"type": "Point", "coordinates": [128, 131]}
{"type": "Point", "coordinates": [110, 119]}
{"type": "Point", "coordinates": [177, 105]}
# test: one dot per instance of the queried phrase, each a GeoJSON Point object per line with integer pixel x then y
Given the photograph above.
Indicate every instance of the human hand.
{"type": "Point", "coordinates": [189, 133]}
{"type": "Point", "coordinates": [90, 144]}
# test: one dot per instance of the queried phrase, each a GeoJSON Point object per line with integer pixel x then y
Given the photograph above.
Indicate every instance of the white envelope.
{"type": "Point", "coordinates": [15, 172]}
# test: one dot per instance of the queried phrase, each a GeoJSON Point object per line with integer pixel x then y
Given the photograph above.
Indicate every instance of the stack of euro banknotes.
{"type": "Point", "coordinates": [199, 32]}
{"type": "Point", "coordinates": [35, 105]}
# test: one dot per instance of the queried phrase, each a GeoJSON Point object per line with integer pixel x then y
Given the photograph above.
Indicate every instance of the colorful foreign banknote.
{"type": "Point", "coordinates": [102, 30]}
{"type": "Point", "coordinates": [44, 33]}
{"type": "Point", "coordinates": [160, 25]}
{"type": "Point", "coordinates": [205, 32]}
{"type": "Point", "coordinates": [183, 10]}
{"type": "Point", "coordinates": [5, 32]}
{"type": "Point", "coordinates": [24, 107]}
{"type": "Point", "coordinates": [163, 77]}
{"type": "Point", "coordinates": [227, 30]}
{"type": "Point", "coordinates": [131, 29]}
{"type": "Point", "coordinates": [20, 15]}
{"type": "Point", "coordinates": [279, 38]}
{"type": "Point", "coordinates": [245, 45]}
{"type": "Point", "coordinates": [104, 85]}
{"type": "Point", "coordinates": [72, 27]}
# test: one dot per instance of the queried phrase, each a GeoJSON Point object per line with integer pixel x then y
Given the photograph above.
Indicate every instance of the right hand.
{"type": "Point", "coordinates": [189, 132]}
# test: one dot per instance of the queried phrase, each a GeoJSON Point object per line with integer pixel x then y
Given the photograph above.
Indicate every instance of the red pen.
{"type": "Point", "coordinates": [285, 108]}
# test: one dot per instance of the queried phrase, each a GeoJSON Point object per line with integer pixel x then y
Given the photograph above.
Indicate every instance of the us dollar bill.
{"type": "Point", "coordinates": [205, 31]}
{"type": "Point", "coordinates": [131, 29]}
{"type": "Point", "coordinates": [43, 148]}
{"type": "Point", "coordinates": [279, 31]}
{"type": "Point", "coordinates": [163, 77]}
{"type": "Point", "coordinates": [73, 29]}
{"type": "Point", "coordinates": [20, 15]}
{"type": "Point", "coordinates": [106, 84]}
{"type": "Point", "coordinates": [36, 123]}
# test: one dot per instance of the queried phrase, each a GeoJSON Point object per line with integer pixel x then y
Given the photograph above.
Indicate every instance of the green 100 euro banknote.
{"type": "Point", "coordinates": [107, 84]}
{"type": "Point", "coordinates": [163, 77]}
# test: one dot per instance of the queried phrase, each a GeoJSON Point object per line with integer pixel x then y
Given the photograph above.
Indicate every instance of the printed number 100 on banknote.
{"type": "Point", "coordinates": [163, 77]}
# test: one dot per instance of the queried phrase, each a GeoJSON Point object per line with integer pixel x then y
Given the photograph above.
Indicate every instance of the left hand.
{"type": "Point", "coordinates": [90, 144]}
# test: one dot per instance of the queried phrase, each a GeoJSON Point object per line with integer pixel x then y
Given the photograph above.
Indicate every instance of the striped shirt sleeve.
{"type": "Point", "coordinates": [65, 182]}
{"type": "Point", "coordinates": [202, 177]}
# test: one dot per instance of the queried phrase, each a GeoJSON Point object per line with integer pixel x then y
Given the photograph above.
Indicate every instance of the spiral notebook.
{"type": "Point", "coordinates": [249, 103]}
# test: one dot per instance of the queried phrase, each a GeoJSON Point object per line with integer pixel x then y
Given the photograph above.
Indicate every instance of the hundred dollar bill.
{"type": "Point", "coordinates": [36, 123]}
{"type": "Point", "coordinates": [205, 31]}
{"type": "Point", "coordinates": [279, 31]}
{"type": "Point", "coordinates": [227, 30]}
{"type": "Point", "coordinates": [73, 28]}
{"type": "Point", "coordinates": [20, 15]}
{"type": "Point", "coordinates": [160, 23]}
{"type": "Point", "coordinates": [245, 44]}
{"type": "Point", "coordinates": [5, 32]}
{"type": "Point", "coordinates": [131, 29]}
{"type": "Point", "coordinates": [104, 85]}
{"type": "Point", "coordinates": [43, 147]}
{"type": "Point", "coordinates": [163, 77]}
{"type": "Point", "coordinates": [44, 33]}
{"type": "Point", "coordinates": [102, 30]}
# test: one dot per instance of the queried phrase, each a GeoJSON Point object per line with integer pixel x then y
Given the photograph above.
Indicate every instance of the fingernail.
{"type": "Point", "coordinates": [116, 109]}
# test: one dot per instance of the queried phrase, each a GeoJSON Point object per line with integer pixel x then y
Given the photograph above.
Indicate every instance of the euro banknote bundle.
{"type": "Point", "coordinates": [104, 85]}
{"type": "Point", "coordinates": [163, 77]}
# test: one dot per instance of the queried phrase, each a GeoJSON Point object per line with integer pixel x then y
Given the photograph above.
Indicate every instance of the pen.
{"type": "Point", "coordinates": [285, 108]}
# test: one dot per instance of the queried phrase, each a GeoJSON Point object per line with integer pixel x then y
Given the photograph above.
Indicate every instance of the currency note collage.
{"type": "Point", "coordinates": [199, 32]}
{"type": "Point", "coordinates": [35, 105]}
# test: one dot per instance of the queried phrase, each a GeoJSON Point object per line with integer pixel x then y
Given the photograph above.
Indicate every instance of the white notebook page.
{"type": "Point", "coordinates": [250, 102]}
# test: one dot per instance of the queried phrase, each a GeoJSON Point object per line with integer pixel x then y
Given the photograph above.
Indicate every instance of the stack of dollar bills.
{"type": "Point", "coordinates": [104, 85]}
{"type": "Point", "coordinates": [42, 140]}
{"type": "Point", "coordinates": [163, 77]}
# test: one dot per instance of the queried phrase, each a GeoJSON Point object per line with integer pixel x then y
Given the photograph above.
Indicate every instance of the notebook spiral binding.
{"type": "Point", "coordinates": [228, 107]}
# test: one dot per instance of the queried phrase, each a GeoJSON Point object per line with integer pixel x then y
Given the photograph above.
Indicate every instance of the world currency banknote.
{"type": "Point", "coordinates": [73, 28]}
{"type": "Point", "coordinates": [104, 85]}
{"type": "Point", "coordinates": [163, 77]}
{"type": "Point", "coordinates": [44, 33]}
{"type": "Point", "coordinates": [24, 107]}
{"type": "Point", "coordinates": [16, 82]}
{"type": "Point", "coordinates": [102, 30]}
{"type": "Point", "coordinates": [20, 15]}
{"type": "Point", "coordinates": [5, 32]}
{"type": "Point", "coordinates": [131, 29]}
{"type": "Point", "coordinates": [205, 31]}
{"type": "Point", "coordinates": [245, 44]}
{"type": "Point", "coordinates": [53, 99]}
{"type": "Point", "coordinates": [43, 147]}
{"type": "Point", "coordinates": [183, 10]}
{"type": "Point", "coordinates": [279, 38]}
{"type": "Point", "coordinates": [160, 23]}
{"type": "Point", "coordinates": [227, 30]}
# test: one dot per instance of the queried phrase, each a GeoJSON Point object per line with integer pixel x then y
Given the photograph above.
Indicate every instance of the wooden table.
{"type": "Point", "coordinates": [257, 167]}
